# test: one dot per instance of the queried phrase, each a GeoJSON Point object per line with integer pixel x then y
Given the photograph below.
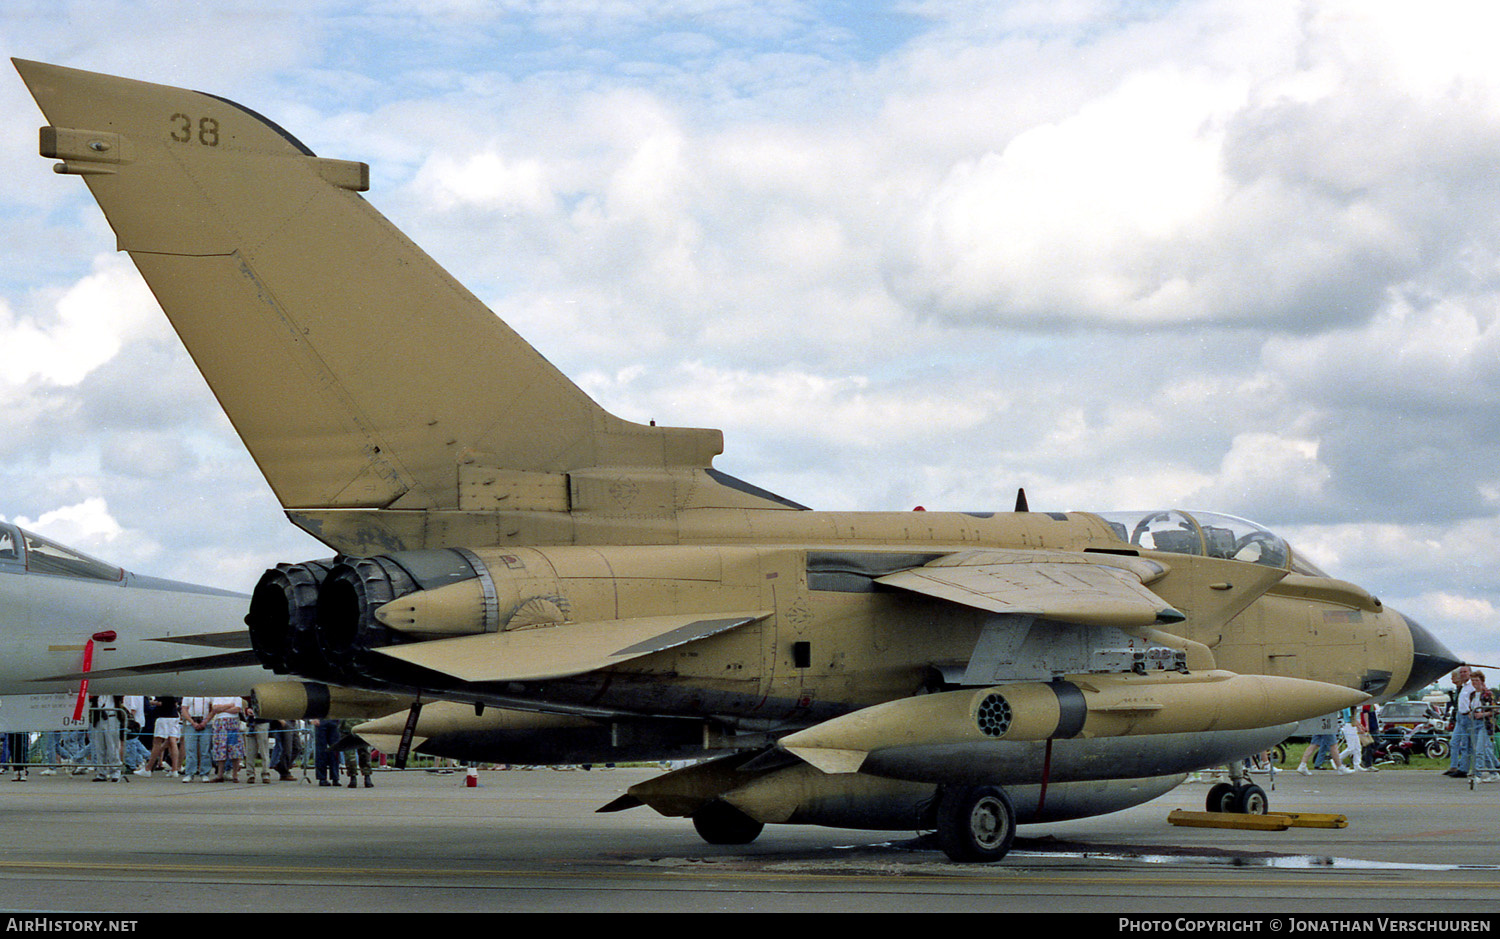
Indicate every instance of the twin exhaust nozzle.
{"type": "Point", "coordinates": [321, 619]}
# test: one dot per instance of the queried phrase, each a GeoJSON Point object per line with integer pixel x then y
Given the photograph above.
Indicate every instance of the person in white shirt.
{"type": "Point", "coordinates": [196, 741]}
{"type": "Point", "coordinates": [1458, 742]}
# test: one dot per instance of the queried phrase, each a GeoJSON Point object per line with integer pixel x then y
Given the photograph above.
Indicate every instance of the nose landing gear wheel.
{"type": "Point", "coordinates": [975, 823]}
{"type": "Point", "coordinates": [1220, 798]}
{"type": "Point", "coordinates": [1252, 800]}
{"type": "Point", "coordinates": [1249, 799]}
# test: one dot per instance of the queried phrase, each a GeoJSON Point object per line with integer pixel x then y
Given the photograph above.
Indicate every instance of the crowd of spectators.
{"type": "Point", "coordinates": [196, 739]}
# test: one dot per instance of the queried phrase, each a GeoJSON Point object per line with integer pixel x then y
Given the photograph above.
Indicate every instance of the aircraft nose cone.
{"type": "Point", "coordinates": [1430, 659]}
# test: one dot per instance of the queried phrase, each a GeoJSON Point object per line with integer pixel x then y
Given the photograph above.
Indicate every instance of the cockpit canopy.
{"type": "Point", "coordinates": [1207, 534]}
{"type": "Point", "coordinates": [21, 550]}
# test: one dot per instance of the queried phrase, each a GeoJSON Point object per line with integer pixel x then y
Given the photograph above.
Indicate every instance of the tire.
{"type": "Point", "coordinates": [721, 823]}
{"type": "Point", "coordinates": [1278, 754]}
{"type": "Point", "coordinates": [1221, 799]}
{"type": "Point", "coordinates": [1436, 749]}
{"type": "Point", "coordinates": [1399, 757]}
{"type": "Point", "coordinates": [975, 823]}
{"type": "Point", "coordinates": [1251, 800]}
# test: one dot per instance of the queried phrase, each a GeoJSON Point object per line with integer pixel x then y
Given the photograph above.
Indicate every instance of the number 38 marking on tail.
{"type": "Point", "coordinates": [185, 130]}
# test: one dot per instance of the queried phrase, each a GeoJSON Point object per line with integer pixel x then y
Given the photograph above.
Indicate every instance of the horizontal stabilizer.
{"type": "Point", "coordinates": [564, 649]}
{"type": "Point", "coordinates": [1091, 589]}
{"type": "Point", "coordinates": [201, 663]}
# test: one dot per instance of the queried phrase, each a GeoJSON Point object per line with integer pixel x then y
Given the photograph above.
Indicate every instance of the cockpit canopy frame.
{"type": "Point", "coordinates": [22, 550]}
{"type": "Point", "coordinates": [1207, 534]}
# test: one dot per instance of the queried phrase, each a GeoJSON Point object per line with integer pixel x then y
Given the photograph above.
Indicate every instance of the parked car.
{"type": "Point", "coordinates": [1408, 714]}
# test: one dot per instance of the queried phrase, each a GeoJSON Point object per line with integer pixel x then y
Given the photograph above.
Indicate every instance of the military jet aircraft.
{"type": "Point", "coordinates": [149, 636]}
{"type": "Point", "coordinates": [544, 581]}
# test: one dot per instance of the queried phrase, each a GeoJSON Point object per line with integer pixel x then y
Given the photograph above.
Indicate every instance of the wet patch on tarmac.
{"type": "Point", "coordinates": [921, 856]}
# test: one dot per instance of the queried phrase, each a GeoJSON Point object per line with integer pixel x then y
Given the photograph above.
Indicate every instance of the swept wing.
{"type": "Point", "coordinates": [1093, 590]}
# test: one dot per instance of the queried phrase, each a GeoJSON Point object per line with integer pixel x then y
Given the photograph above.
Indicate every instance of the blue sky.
{"type": "Point", "coordinates": [1229, 255]}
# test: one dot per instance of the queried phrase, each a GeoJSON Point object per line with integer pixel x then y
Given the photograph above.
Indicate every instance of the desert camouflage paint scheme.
{"type": "Point", "coordinates": [536, 580]}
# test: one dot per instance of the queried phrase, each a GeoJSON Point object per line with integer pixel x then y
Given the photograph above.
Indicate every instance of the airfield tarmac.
{"type": "Point", "coordinates": [530, 840]}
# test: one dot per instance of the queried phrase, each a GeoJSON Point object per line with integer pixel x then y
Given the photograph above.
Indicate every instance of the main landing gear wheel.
{"type": "Point", "coordinates": [1249, 799]}
{"type": "Point", "coordinates": [975, 823]}
{"type": "Point", "coordinates": [721, 823]}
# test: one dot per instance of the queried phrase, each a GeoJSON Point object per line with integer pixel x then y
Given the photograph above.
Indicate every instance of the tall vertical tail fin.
{"type": "Point", "coordinates": [356, 370]}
